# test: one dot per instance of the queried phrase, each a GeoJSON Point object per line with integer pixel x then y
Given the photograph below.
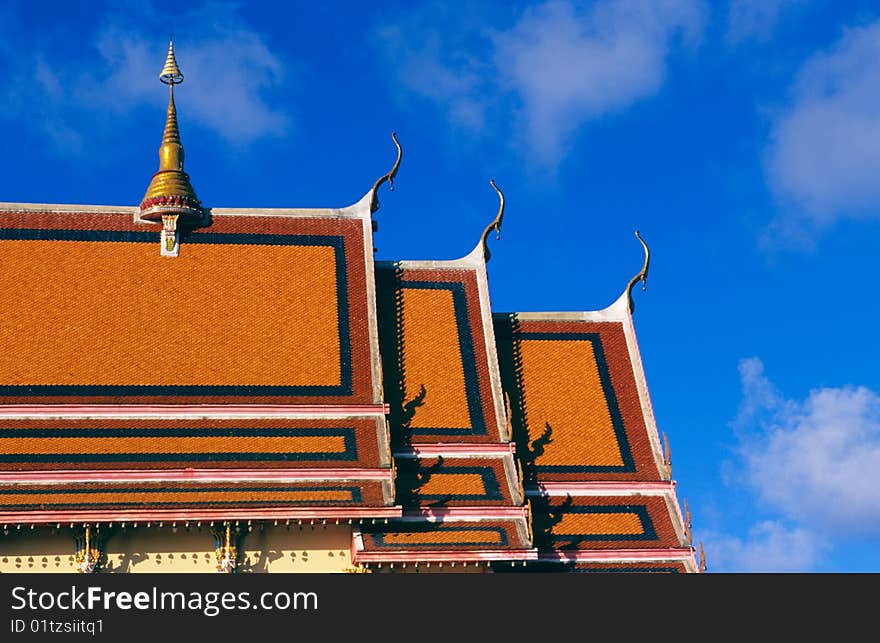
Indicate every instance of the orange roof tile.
{"type": "Point", "coordinates": [605, 522]}
{"type": "Point", "coordinates": [452, 481]}
{"type": "Point", "coordinates": [436, 364]}
{"type": "Point", "coordinates": [575, 408]}
{"type": "Point", "coordinates": [33, 445]}
{"type": "Point", "coordinates": [255, 309]}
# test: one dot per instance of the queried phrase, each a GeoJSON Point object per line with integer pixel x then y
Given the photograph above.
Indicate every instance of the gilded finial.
{"type": "Point", "coordinates": [687, 523]}
{"type": "Point", "coordinates": [170, 195]}
{"type": "Point", "coordinates": [87, 552]}
{"type": "Point", "coordinates": [171, 74]}
{"type": "Point", "coordinates": [702, 558]}
{"type": "Point", "coordinates": [388, 176]}
{"type": "Point", "coordinates": [226, 552]}
{"type": "Point", "coordinates": [641, 276]}
{"type": "Point", "coordinates": [495, 225]}
{"type": "Point", "coordinates": [667, 455]}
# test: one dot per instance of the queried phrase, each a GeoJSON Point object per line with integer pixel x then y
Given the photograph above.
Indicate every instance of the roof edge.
{"type": "Point", "coordinates": [359, 209]}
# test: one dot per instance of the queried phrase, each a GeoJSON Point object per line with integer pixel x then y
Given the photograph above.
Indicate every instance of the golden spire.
{"type": "Point", "coordinates": [170, 193]}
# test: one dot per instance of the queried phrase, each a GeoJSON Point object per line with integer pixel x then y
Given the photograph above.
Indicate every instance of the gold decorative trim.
{"type": "Point", "coordinates": [226, 551]}
{"type": "Point", "coordinates": [88, 552]}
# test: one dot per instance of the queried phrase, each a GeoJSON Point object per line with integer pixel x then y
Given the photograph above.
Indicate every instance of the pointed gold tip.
{"type": "Point", "coordinates": [171, 74]}
{"type": "Point", "coordinates": [170, 190]}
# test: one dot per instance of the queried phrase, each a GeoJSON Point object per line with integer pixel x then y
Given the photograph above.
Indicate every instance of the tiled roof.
{"type": "Point", "coordinates": [604, 522]}
{"type": "Point", "coordinates": [30, 445]}
{"type": "Point", "coordinates": [463, 536]}
{"type": "Point", "coordinates": [359, 390]}
{"type": "Point", "coordinates": [155, 496]}
{"type": "Point", "coordinates": [444, 481]}
{"type": "Point", "coordinates": [256, 309]}
{"type": "Point", "coordinates": [594, 470]}
{"type": "Point", "coordinates": [270, 313]}
{"type": "Point", "coordinates": [436, 359]}
{"type": "Point", "coordinates": [575, 408]}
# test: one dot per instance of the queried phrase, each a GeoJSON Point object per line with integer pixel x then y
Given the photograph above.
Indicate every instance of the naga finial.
{"type": "Point", "coordinates": [495, 225]}
{"type": "Point", "coordinates": [667, 455]}
{"type": "Point", "coordinates": [389, 176]}
{"type": "Point", "coordinates": [702, 558]}
{"type": "Point", "coordinates": [641, 276]}
{"type": "Point", "coordinates": [687, 523]}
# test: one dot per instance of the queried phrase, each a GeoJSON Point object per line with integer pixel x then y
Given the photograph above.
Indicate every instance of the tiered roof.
{"type": "Point", "coordinates": [258, 364]}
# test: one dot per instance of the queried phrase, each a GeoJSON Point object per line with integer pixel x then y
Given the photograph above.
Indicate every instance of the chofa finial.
{"type": "Point", "coordinates": [702, 558]}
{"type": "Point", "coordinates": [495, 225]}
{"type": "Point", "coordinates": [641, 276]}
{"type": "Point", "coordinates": [667, 456]}
{"type": "Point", "coordinates": [389, 176]}
{"type": "Point", "coordinates": [687, 524]}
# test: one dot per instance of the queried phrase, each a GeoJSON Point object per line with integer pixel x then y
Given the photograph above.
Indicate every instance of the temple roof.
{"type": "Point", "coordinates": [259, 364]}
{"type": "Point", "coordinates": [260, 307]}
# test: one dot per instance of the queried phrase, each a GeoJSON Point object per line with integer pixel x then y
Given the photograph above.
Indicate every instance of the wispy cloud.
{"type": "Point", "coordinates": [817, 462]}
{"type": "Point", "coordinates": [769, 546]}
{"type": "Point", "coordinates": [825, 146]}
{"type": "Point", "coordinates": [229, 69]}
{"type": "Point", "coordinates": [754, 19]}
{"type": "Point", "coordinates": [558, 66]}
{"type": "Point", "coordinates": [814, 464]}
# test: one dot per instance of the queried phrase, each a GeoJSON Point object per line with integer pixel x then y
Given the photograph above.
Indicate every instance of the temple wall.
{"type": "Point", "coordinates": [297, 548]}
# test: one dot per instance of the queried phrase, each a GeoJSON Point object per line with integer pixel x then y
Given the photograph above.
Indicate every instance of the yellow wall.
{"type": "Point", "coordinates": [180, 550]}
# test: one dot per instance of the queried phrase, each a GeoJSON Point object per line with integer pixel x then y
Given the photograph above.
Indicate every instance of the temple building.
{"type": "Point", "coordinates": [194, 388]}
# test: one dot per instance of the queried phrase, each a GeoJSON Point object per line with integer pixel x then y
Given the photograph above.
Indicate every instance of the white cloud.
{"type": "Point", "coordinates": [557, 67]}
{"type": "Point", "coordinates": [227, 65]}
{"type": "Point", "coordinates": [817, 462]}
{"type": "Point", "coordinates": [814, 468]}
{"type": "Point", "coordinates": [769, 547]}
{"type": "Point", "coordinates": [438, 66]}
{"type": "Point", "coordinates": [825, 147]}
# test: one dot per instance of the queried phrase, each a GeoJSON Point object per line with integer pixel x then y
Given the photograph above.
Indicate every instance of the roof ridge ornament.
{"type": "Point", "coordinates": [667, 456]}
{"type": "Point", "coordinates": [388, 176]}
{"type": "Point", "coordinates": [495, 225]}
{"type": "Point", "coordinates": [641, 276]}
{"type": "Point", "coordinates": [170, 198]}
{"type": "Point", "coordinates": [687, 524]}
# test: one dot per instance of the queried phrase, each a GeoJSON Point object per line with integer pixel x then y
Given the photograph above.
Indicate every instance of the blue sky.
{"type": "Point", "coordinates": [741, 137]}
